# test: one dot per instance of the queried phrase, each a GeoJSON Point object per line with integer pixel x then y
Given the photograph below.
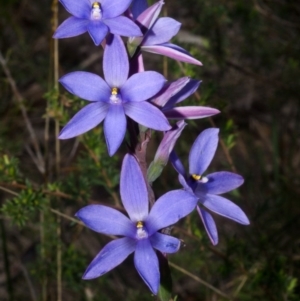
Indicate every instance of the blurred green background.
{"type": "Point", "coordinates": [251, 56]}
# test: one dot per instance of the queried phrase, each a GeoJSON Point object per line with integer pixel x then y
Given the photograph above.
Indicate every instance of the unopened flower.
{"type": "Point", "coordinates": [175, 92]}
{"type": "Point", "coordinates": [140, 230]}
{"type": "Point", "coordinates": [114, 98]}
{"type": "Point", "coordinates": [98, 18]}
{"type": "Point", "coordinates": [158, 33]}
{"type": "Point", "coordinates": [207, 188]}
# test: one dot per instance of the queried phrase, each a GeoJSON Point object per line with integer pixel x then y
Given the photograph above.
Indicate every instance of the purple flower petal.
{"type": "Point", "coordinates": [71, 27]}
{"type": "Point", "coordinates": [98, 31]}
{"type": "Point", "coordinates": [165, 243]}
{"type": "Point", "coordinates": [177, 164]}
{"type": "Point", "coordinates": [167, 144]}
{"type": "Point", "coordinates": [146, 263]}
{"type": "Point", "coordinates": [114, 253]}
{"type": "Point", "coordinates": [133, 190]}
{"type": "Point", "coordinates": [115, 62]}
{"type": "Point", "coordinates": [86, 85]}
{"type": "Point", "coordinates": [209, 224]}
{"type": "Point", "coordinates": [123, 26]}
{"type": "Point", "coordinates": [106, 220]}
{"type": "Point", "coordinates": [86, 119]}
{"type": "Point", "coordinates": [139, 6]}
{"type": "Point", "coordinates": [142, 86]}
{"type": "Point", "coordinates": [184, 184]}
{"type": "Point", "coordinates": [203, 150]}
{"type": "Point", "coordinates": [146, 114]}
{"type": "Point", "coordinates": [190, 112]}
{"type": "Point", "coordinates": [114, 127]}
{"type": "Point", "coordinates": [170, 89]}
{"type": "Point", "coordinates": [163, 30]}
{"type": "Point", "coordinates": [220, 182]}
{"type": "Point", "coordinates": [183, 94]}
{"type": "Point", "coordinates": [172, 51]}
{"type": "Point", "coordinates": [170, 208]}
{"type": "Point", "coordinates": [80, 9]}
{"type": "Point", "coordinates": [225, 208]}
{"type": "Point", "coordinates": [112, 9]}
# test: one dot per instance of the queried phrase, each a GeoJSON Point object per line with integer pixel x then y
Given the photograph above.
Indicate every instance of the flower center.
{"type": "Point", "coordinates": [115, 96]}
{"type": "Point", "coordinates": [96, 13]}
{"type": "Point", "coordinates": [141, 232]}
{"type": "Point", "coordinates": [199, 178]}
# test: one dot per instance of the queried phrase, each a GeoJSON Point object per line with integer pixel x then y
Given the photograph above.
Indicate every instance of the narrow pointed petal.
{"type": "Point", "coordinates": [169, 90]}
{"type": "Point", "coordinates": [172, 51]}
{"type": "Point", "coordinates": [177, 164]}
{"type": "Point", "coordinates": [146, 263]}
{"type": "Point", "coordinates": [163, 30]}
{"type": "Point", "coordinates": [225, 208]}
{"type": "Point", "coordinates": [140, 6]}
{"type": "Point", "coordinates": [71, 27]}
{"type": "Point", "coordinates": [203, 150]}
{"type": "Point", "coordinates": [220, 182]}
{"type": "Point", "coordinates": [136, 64]}
{"type": "Point", "coordinates": [183, 94]}
{"type": "Point", "coordinates": [98, 31]}
{"type": "Point", "coordinates": [133, 190]}
{"type": "Point", "coordinates": [114, 128]}
{"type": "Point", "coordinates": [184, 184]}
{"type": "Point", "coordinates": [114, 253]}
{"type": "Point", "coordinates": [209, 224]}
{"type": "Point", "coordinates": [115, 62]}
{"type": "Point", "coordinates": [79, 9]}
{"type": "Point", "coordinates": [86, 119]}
{"type": "Point", "coordinates": [142, 86]}
{"type": "Point", "coordinates": [168, 142]}
{"type": "Point", "coordinates": [123, 26]}
{"type": "Point", "coordinates": [170, 208]}
{"type": "Point", "coordinates": [112, 9]}
{"type": "Point", "coordinates": [147, 115]}
{"type": "Point", "coordinates": [106, 220]}
{"type": "Point", "coordinates": [165, 243]}
{"type": "Point", "coordinates": [190, 112]}
{"type": "Point", "coordinates": [86, 85]}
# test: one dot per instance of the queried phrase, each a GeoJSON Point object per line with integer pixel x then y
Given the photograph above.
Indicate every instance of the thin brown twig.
{"type": "Point", "coordinates": [20, 101]}
{"type": "Point", "coordinates": [198, 279]}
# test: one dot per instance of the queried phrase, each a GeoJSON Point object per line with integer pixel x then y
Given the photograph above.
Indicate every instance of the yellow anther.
{"type": "Point", "coordinates": [196, 177]}
{"type": "Point", "coordinates": [114, 91]}
{"type": "Point", "coordinates": [96, 5]}
{"type": "Point", "coordinates": [139, 225]}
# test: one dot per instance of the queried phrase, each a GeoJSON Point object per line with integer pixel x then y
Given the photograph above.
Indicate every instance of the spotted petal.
{"type": "Point", "coordinates": [146, 263]}
{"type": "Point", "coordinates": [133, 190]}
{"type": "Point", "coordinates": [114, 253]}
{"type": "Point", "coordinates": [165, 243]}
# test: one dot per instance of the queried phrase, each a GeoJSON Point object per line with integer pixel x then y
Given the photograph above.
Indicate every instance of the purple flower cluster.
{"type": "Point", "coordinates": [128, 95]}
